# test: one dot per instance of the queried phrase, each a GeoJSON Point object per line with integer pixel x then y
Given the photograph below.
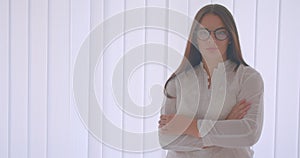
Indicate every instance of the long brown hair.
{"type": "Point", "coordinates": [192, 53]}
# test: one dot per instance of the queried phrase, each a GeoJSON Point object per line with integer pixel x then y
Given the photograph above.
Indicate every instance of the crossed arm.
{"type": "Point", "coordinates": [242, 127]}
{"type": "Point", "coordinates": [178, 121]}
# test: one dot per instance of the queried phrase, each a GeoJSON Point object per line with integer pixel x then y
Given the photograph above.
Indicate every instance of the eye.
{"type": "Point", "coordinates": [202, 34]}
{"type": "Point", "coordinates": [221, 34]}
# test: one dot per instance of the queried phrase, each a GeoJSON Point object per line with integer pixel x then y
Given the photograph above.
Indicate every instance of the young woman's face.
{"type": "Point", "coordinates": [212, 37]}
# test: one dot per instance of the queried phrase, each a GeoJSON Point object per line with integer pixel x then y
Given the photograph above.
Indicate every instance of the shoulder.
{"type": "Point", "coordinates": [191, 73]}
{"type": "Point", "coordinates": [184, 79]}
{"type": "Point", "coordinates": [249, 75]}
{"type": "Point", "coordinates": [171, 86]}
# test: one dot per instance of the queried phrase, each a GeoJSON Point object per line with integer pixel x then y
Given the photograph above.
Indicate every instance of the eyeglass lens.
{"type": "Point", "coordinates": [220, 34]}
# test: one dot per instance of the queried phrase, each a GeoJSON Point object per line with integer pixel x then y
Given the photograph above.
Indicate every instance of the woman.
{"type": "Point", "coordinates": [217, 127]}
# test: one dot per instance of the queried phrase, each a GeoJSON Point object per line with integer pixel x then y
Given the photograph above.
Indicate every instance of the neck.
{"type": "Point", "coordinates": [210, 65]}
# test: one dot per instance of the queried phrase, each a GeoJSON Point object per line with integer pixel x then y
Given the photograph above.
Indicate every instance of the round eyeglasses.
{"type": "Point", "coordinates": [219, 33]}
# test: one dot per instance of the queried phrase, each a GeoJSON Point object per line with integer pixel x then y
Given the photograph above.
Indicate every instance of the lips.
{"type": "Point", "coordinates": [211, 48]}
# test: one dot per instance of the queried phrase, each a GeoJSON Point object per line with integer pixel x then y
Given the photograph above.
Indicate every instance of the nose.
{"type": "Point", "coordinates": [211, 37]}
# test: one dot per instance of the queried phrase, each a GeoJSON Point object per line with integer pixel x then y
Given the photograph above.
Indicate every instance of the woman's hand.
{"type": "Point", "coordinates": [178, 125]}
{"type": "Point", "coordinates": [239, 110]}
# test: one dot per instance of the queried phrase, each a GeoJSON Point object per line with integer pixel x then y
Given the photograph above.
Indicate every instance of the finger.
{"type": "Point", "coordinates": [162, 122]}
{"type": "Point", "coordinates": [163, 117]}
{"type": "Point", "coordinates": [167, 118]}
{"type": "Point", "coordinates": [243, 106]}
{"type": "Point", "coordinates": [235, 114]}
{"type": "Point", "coordinates": [170, 117]}
{"type": "Point", "coordinates": [242, 101]}
{"type": "Point", "coordinates": [165, 121]}
{"type": "Point", "coordinates": [242, 110]}
{"type": "Point", "coordinates": [246, 108]}
{"type": "Point", "coordinates": [238, 106]}
{"type": "Point", "coordinates": [242, 115]}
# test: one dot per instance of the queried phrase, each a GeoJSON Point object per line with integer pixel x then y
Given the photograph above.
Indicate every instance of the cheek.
{"type": "Point", "coordinates": [222, 45]}
{"type": "Point", "coordinates": [201, 44]}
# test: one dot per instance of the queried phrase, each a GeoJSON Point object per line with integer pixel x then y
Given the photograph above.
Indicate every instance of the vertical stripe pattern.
{"type": "Point", "coordinates": [40, 41]}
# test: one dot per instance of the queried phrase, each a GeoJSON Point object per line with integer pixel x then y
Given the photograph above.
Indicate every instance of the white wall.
{"type": "Point", "coordinates": [39, 44]}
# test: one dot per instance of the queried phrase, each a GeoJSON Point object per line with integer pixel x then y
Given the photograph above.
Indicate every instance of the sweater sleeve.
{"type": "Point", "coordinates": [176, 142]}
{"type": "Point", "coordinates": [243, 132]}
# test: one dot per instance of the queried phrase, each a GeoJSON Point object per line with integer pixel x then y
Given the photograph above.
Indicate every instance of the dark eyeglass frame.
{"type": "Point", "coordinates": [215, 33]}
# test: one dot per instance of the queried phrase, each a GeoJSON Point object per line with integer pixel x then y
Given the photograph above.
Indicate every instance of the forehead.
{"type": "Point", "coordinates": [211, 22]}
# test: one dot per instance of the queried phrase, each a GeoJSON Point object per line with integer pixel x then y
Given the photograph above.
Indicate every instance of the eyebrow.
{"type": "Point", "coordinates": [222, 27]}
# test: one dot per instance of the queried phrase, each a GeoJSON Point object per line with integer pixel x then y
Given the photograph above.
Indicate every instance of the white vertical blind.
{"type": "Point", "coordinates": [18, 74]}
{"type": "Point", "coordinates": [39, 44]}
{"type": "Point", "coordinates": [4, 77]}
{"type": "Point", "coordinates": [112, 54]}
{"type": "Point", "coordinates": [245, 14]}
{"type": "Point", "coordinates": [154, 36]}
{"type": "Point", "coordinates": [267, 27]}
{"type": "Point", "coordinates": [96, 16]}
{"type": "Point", "coordinates": [58, 108]}
{"type": "Point", "coordinates": [80, 26]}
{"type": "Point", "coordinates": [286, 92]}
{"type": "Point", "coordinates": [37, 73]}
{"type": "Point", "coordinates": [135, 83]}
